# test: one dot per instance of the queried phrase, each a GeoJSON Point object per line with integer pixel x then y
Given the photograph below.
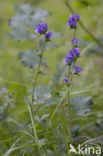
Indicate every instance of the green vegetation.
{"type": "Point", "coordinates": [16, 78]}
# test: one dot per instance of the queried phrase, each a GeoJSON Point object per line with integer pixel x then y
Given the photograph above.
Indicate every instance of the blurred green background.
{"type": "Point", "coordinates": [11, 68]}
{"type": "Point", "coordinates": [13, 75]}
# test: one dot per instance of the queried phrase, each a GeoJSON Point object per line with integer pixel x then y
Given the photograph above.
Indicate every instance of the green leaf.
{"type": "Point", "coordinates": [97, 127]}
{"type": "Point", "coordinates": [53, 100]}
{"type": "Point", "coordinates": [95, 50]}
{"type": "Point", "coordinates": [27, 18]}
{"type": "Point", "coordinates": [99, 140]}
{"type": "Point", "coordinates": [45, 95]}
{"type": "Point", "coordinates": [20, 21]}
{"type": "Point", "coordinates": [81, 104]}
{"type": "Point", "coordinates": [25, 9]}
{"type": "Point", "coordinates": [30, 59]}
{"type": "Point", "coordinates": [85, 3]}
{"type": "Point", "coordinates": [56, 35]}
{"type": "Point", "coordinates": [89, 3]}
{"type": "Point", "coordinates": [58, 74]}
{"type": "Point", "coordinates": [75, 130]}
{"type": "Point", "coordinates": [21, 35]}
{"type": "Point", "coordinates": [42, 72]}
{"type": "Point", "coordinates": [83, 43]}
{"type": "Point", "coordinates": [51, 46]}
{"type": "Point", "coordinates": [38, 119]}
{"type": "Point", "coordinates": [48, 45]}
{"type": "Point", "coordinates": [41, 94]}
{"type": "Point", "coordinates": [3, 90]}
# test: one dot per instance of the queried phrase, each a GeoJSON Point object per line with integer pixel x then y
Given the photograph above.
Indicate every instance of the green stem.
{"type": "Point", "coordinates": [74, 37]}
{"type": "Point", "coordinates": [34, 131]}
{"type": "Point", "coordinates": [69, 71]}
{"type": "Point", "coordinates": [70, 136]}
{"type": "Point", "coordinates": [30, 108]}
{"type": "Point", "coordinates": [37, 72]}
{"type": "Point", "coordinates": [70, 78]}
{"type": "Point", "coordinates": [75, 33]}
{"type": "Point", "coordinates": [63, 98]}
{"type": "Point", "coordinates": [64, 121]}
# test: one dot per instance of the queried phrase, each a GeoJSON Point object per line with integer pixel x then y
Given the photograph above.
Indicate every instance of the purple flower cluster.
{"type": "Point", "coordinates": [49, 35]}
{"type": "Point", "coordinates": [42, 29]}
{"type": "Point", "coordinates": [73, 20]}
{"type": "Point", "coordinates": [73, 55]}
{"type": "Point", "coordinates": [66, 80]}
{"type": "Point", "coordinates": [76, 52]}
{"type": "Point", "coordinates": [74, 41]}
{"type": "Point", "coordinates": [77, 69]}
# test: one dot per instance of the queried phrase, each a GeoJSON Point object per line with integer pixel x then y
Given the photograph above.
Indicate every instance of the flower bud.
{"type": "Point", "coordinates": [41, 28]}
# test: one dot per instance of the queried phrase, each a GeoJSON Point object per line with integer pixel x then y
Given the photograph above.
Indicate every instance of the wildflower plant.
{"type": "Point", "coordinates": [74, 54]}
{"type": "Point", "coordinates": [71, 60]}
{"type": "Point", "coordinates": [73, 20]}
{"type": "Point", "coordinates": [53, 110]}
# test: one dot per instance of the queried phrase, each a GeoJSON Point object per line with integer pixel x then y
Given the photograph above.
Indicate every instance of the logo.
{"type": "Point", "coordinates": [84, 150]}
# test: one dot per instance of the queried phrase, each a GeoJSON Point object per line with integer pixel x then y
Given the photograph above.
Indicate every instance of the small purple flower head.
{"type": "Point", "coordinates": [49, 35]}
{"type": "Point", "coordinates": [68, 60]}
{"type": "Point", "coordinates": [41, 28]}
{"type": "Point", "coordinates": [74, 41]}
{"type": "Point", "coordinates": [38, 51]}
{"type": "Point", "coordinates": [77, 69]}
{"type": "Point", "coordinates": [72, 22]}
{"type": "Point", "coordinates": [66, 81]}
{"type": "Point", "coordinates": [77, 17]}
{"type": "Point", "coordinates": [76, 52]}
{"type": "Point", "coordinates": [71, 55]}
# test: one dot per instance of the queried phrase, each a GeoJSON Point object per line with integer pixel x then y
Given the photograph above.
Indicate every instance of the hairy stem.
{"type": "Point", "coordinates": [70, 78]}
{"type": "Point", "coordinates": [31, 106]}
{"type": "Point", "coordinates": [59, 104]}
{"type": "Point", "coordinates": [70, 136]}
{"type": "Point", "coordinates": [37, 72]}
{"type": "Point", "coordinates": [34, 131]}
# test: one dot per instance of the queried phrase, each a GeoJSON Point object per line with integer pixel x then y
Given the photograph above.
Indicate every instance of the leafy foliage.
{"type": "Point", "coordinates": [21, 35]}
{"type": "Point", "coordinates": [26, 19]}
{"type": "Point", "coordinates": [89, 3]}
{"type": "Point", "coordinates": [58, 74]}
{"type": "Point", "coordinates": [82, 104]}
{"type": "Point", "coordinates": [96, 50]}
{"type": "Point", "coordinates": [41, 94]}
{"type": "Point", "coordinates": [49, 46]}
{"type": "Point", "coordinates": [18, 126]}
{"type": "Point", "coordinates": [30, 59]}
